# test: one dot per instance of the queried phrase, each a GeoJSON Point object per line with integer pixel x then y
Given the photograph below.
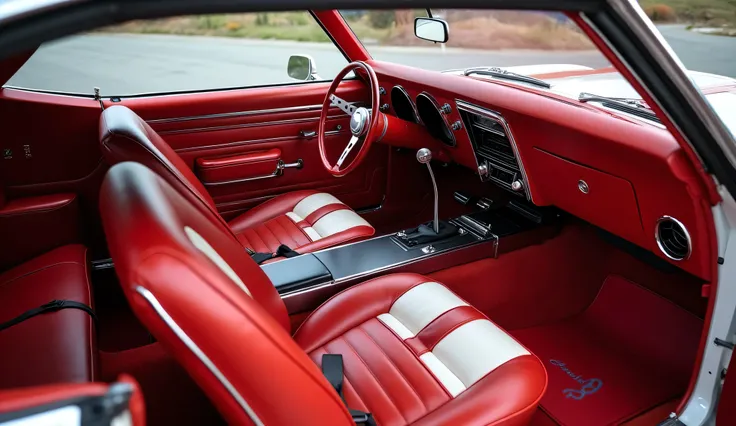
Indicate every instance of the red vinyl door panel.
{"type": "Point", "coordinates": [50, 172]}
{"type": "Point", "coordinates": [230, 139]}
{"type": "Point", "coordinates": [50, 148]}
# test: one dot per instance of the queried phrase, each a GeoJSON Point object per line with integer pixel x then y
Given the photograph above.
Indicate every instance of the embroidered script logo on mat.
{"type": "Point", "coordinates": [589, 385]}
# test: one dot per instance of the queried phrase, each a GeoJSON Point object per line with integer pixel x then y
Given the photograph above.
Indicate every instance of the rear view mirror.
{"type": "Point", "coordinates": [432, 29]}
{"type": "Point", "coordinates": [302, 68]}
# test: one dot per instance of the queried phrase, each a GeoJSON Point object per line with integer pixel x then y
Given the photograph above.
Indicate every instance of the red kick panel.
{"type": "Point", "coordinates": [615, 360]}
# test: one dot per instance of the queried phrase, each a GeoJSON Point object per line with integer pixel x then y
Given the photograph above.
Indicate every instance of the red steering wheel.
{"type": "Point", "coordinates": [366, 125]}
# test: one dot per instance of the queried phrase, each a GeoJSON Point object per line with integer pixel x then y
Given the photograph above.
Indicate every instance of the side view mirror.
{"type": "Point", "coordinates": [432, 29]}
{"type": "Point", "coordinates": [302, 68]}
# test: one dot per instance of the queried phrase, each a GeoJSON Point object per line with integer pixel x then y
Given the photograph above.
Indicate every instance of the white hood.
{"type": "Point", "coordinates": [614, 85]}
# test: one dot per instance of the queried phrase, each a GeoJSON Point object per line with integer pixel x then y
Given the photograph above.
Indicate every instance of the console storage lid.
{"type": "Point", "coordinates": [297, 272]}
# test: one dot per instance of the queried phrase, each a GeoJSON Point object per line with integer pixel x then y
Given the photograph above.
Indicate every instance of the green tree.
{"type": "Point", "coordinates": [381, 18]}
{"type": "Point", "coordinates": [262, 19]}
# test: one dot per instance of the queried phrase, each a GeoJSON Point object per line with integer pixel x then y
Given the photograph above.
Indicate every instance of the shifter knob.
{"type": "Point", "coordinates": [424, 156]}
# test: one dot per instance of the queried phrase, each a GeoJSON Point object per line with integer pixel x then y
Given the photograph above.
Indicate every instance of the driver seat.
{"type": "Point", "coordinates": [304, 221]}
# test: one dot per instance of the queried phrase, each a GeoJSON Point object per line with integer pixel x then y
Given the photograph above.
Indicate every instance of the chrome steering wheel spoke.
{"type": "Point", "coordinates": [344, 105]}
{"type": "Point", "coordinates": [353, 141]}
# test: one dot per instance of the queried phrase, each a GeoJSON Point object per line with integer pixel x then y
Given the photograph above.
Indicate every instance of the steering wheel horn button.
{"type": "Point", "coordinates": [359, 121]}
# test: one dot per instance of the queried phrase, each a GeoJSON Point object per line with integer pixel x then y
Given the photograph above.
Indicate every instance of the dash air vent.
{"type": "Point", "coordinates": [673, 238]}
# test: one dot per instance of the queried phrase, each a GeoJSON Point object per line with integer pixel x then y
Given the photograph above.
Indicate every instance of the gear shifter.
{"type": "Point", "coordinates": [439, 230]}
{"type": "Point", "coordinates": [424, 156]}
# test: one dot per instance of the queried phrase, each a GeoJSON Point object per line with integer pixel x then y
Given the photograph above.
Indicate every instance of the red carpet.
{"type": "Point", "coordinates": [628, 352]}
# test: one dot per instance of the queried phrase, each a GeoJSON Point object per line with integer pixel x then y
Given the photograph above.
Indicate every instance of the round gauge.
{"type": "Point", "coordinates": [403, 105]}
{"type": "Point", "coordinates": [433, 119]}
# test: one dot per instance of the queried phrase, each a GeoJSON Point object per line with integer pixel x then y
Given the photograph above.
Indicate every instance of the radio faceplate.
{"type": "Point", "coordinates": [495, 150]}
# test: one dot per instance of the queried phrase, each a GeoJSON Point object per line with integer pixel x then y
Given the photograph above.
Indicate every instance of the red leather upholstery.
{"type": "Point", "coordinates": [30, 398]}
{"type": "Point", "coordinates": [54, 347]}
{"type": "Point", "coordinates": [414, 352]}
{"type": "Point", "coordinates": [384, 372]}
{"type": "Point", "coordinates": [35, 225]}
{"type": "Point", "coordinates": [232, 313]}
{"type": "Point", "coordinates": [124, 136]}
{"type": "Point", "coordinates": [282, 220]}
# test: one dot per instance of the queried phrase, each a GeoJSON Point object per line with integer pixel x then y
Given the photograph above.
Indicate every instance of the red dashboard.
{"type": "Point", "coordinates": [622, 175]}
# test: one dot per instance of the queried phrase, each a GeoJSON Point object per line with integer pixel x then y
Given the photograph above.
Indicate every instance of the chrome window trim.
{"type": "Point", "coordinates": [189, 343]}
{"type": "Point", "coordinates": [252, 142]}
{"type": "Point", "coordinates": [475, 109]}
{"type": "Point", "coordinates": [246, 125]}
{"type": "Point", "coordinates": [304, 108]}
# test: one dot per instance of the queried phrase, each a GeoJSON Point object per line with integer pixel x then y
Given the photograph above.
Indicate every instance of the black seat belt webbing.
{"type": "Point", "coordinates": [332, 369]}
{"type": "Point", "coordinates": [283, 251]}
{"type": "Point", "coordinates": [261, 257]}
{"type": "Point", "coordinates": [53, 306]}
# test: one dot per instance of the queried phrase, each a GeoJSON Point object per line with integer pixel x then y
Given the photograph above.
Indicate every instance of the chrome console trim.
{"type": "Point", "coordinates": [203, 358]}
{"type": "Point", "coordinates": [493, 239]}
{"type": "Point", "coordinates": [474, 109]}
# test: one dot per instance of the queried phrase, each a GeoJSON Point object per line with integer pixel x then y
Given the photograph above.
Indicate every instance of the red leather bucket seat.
{"type": "Point", "coordinates": [413, 351]}
{"type": "Point", "coordinates": [304, 221]}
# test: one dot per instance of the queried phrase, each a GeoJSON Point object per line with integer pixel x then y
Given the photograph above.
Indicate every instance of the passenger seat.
{"type": "Point", "coordinates": [304, 221]}
{"type": "Point", "coordinates": [52, 347]}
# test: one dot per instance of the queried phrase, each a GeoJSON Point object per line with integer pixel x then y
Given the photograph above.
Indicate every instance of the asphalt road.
{"type": "Point", "coordinates": [130, 64]}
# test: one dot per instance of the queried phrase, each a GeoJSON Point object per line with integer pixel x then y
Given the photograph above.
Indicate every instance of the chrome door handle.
{"type": "Point", "coordinates": [308, 134]}
{"type": "Point", "coordinates": [298, 164]}
{"type": "Point", "coordinates": [280, 166]}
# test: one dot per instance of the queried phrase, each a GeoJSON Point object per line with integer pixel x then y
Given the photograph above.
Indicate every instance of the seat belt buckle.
{"type": "Point", "coordinates": [360, 417]}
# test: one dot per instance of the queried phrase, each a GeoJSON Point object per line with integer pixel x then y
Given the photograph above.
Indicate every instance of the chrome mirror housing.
{"type": "Point", "coordinates": [432, 29]}
{"type": "Point", "coordinates": [302, 68]}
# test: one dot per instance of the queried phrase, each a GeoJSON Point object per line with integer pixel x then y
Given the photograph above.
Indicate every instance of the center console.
{"type": "Point", "coordinates": [307, 280]}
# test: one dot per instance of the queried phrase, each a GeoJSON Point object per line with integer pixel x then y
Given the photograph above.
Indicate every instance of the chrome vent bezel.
{"type": "Point", "coordinates": [672, 249]}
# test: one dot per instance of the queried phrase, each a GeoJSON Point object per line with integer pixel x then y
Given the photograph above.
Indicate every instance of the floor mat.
{"type": "Point", "coordinates": [629, 351]}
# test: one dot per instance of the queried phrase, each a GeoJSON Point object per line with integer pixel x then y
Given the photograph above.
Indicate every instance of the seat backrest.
{"type": "Point", "coordinates": [124, 136]}
{"type": "Point", "coordinates": [196, 290]}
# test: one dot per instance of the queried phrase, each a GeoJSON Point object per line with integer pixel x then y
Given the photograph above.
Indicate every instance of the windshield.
{"type": "Point", "coordinates": [476, 38]}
